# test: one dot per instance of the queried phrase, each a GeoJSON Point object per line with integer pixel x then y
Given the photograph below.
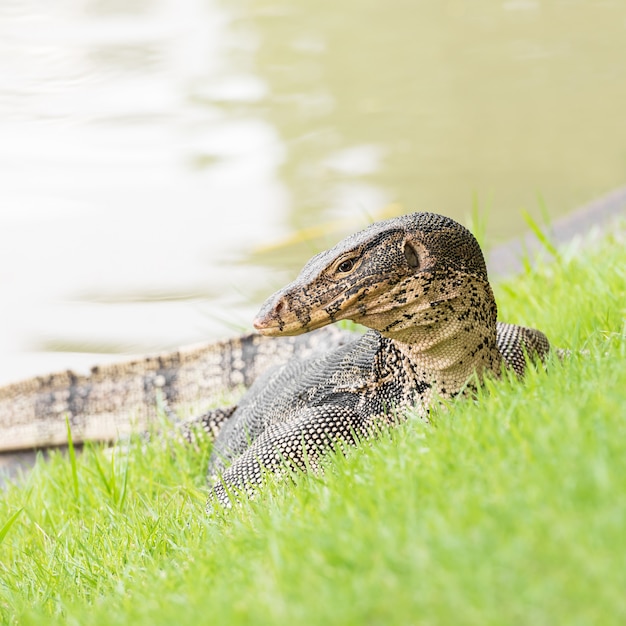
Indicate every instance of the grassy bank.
{"type": "Point", "coordinates": [510, 510]}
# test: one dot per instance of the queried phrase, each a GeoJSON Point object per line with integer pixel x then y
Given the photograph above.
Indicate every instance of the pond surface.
{"type": "Point", "coordinates": [165, 165]}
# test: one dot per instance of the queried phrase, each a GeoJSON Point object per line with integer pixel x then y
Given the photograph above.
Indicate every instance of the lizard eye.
{"type": "Point", "coordinates": [345, 266]}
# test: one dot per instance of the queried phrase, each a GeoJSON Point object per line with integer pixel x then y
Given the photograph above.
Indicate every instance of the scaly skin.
{"type": "Point", "coordinates": [419, 282]}
{"type": "Point", "coordinates": [119, 398]}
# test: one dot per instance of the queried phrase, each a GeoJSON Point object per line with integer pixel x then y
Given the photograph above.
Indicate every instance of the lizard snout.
{"type": "Point", "coordinates": [269, 319]}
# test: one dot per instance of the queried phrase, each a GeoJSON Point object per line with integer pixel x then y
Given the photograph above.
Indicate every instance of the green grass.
{"type": "Point", "coordinates": [507, 510]}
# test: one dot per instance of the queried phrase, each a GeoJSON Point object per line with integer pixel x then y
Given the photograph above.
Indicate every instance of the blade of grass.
{"type": "Point", "coordinates": [7, 525]}
{"type": "Point", "coordinates": [72, 455]}
{"type": "Point", "coordinates": [543, 209]}
{"type": "Point", "coordinates": [122, 492]}
{"type": "Point", "coordinates": [100, 471]}
{"type": "Point", "coordinates": [477, 222]}
{"type": "Point", "coordinates": [542, 236]}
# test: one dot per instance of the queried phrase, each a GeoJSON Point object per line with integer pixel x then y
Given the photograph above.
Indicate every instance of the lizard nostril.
{"type": "Point", "coordinates": [280, 307]}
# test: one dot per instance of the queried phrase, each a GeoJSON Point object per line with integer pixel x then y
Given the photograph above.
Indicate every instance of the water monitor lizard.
{"type": "Point", "coordinates": [419, 282]}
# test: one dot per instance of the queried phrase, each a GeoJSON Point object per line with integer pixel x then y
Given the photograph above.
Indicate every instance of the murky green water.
{"type": "Point", "coordinates": [165, 165]}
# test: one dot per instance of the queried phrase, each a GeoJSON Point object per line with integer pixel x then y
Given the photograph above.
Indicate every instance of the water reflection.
{"type": "Point", "coordinates": [502, 100]}
{"type": "Point", "coordinates": [111, 235]}
{"type": "Point", "coordinates": [165, 165]}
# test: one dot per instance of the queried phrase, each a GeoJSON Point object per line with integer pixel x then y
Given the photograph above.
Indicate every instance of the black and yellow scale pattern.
{"type": "Point", "coordinates": [419, 282]}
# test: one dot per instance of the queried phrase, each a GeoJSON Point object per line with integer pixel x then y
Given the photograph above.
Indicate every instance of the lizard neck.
{"type": "Point", "coordinates": [448, 341]}
{"type": "Point", "coordinates": [448, 365]}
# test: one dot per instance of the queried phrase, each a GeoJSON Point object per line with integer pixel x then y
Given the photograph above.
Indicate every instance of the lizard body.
{"type": "Point", "coordinates": [419, 282]}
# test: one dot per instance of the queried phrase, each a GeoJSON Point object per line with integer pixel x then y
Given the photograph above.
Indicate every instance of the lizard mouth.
{"type": "Point", "coordinates": [271, 328]}
{"type": "Point", "coordinates": [278, 317]}
{"type": "Point", "coordinates": [273, 319]}
{"type": "Point", "coordinates": [274, 325]}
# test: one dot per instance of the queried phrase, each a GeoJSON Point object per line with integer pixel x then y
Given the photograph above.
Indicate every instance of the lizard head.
{"type": "Point", "coordinates": [393, 276]}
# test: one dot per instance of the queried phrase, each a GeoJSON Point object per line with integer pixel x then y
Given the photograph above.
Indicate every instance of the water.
{"type": "Point", "coordinates": [165, 165]}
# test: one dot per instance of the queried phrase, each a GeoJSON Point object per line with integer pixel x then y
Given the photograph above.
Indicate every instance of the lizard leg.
{"type": "Point", "coordinates": [519, 344]}
{"type": "Point", "coordinates": [210, 422]}
{"type": "Point", "coordinates": [297, 444]}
